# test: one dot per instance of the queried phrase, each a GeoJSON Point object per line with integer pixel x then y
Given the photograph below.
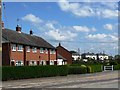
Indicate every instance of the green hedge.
{"type": "Point", "coordinates": [116, 67]}
{"type": "Point", "coordinates": [91, 68]}
{"type": "Point", "coordinates": [25, 72]}
{"type": "Point", "coordinates": [77, 70]}
{"type": "Point", "coordinates": [94, 68]}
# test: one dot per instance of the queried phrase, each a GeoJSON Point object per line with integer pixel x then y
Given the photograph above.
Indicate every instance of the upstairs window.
{"type": "Point", "coordinates": [41, 50]}
{"type": "Point", "coordinates": [46, 51]}
{"type": "Point", "coordinates": [28, 48]}
{"type": "Point", "coordinates": [34, 50]}
{"type": "Point", "coordinates": [20, 48]}
{"type": "Point", "coordinates": [13, 46]}
{"type": "Point", "coordinates": [52, 51]}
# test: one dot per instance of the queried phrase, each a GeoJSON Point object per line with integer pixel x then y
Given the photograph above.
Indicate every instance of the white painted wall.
{"type": "Point", "coordinates": [102, 57]}
{"type": "Point", "coordinates": [92, 56]}
{"type": "Point", "coordinates": [76, 57]}
{"type": "Point", "coordinates": [60, 62]}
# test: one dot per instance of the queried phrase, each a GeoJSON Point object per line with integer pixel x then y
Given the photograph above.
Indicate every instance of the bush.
{"type": "Point", "coordinates": [89, 69]}
{"type": "Point", "coordinates": [77, 70]}
{"type": "Point", "coordinates": [96, 68]}
{"type": "Point", "coordinates": [116, 67]}
{"type": "Point", "coordinates": [24, 72]}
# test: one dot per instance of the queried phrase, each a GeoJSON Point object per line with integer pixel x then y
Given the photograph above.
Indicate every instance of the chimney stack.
{"type": "Point", "coordinates": [59, 44]}
{"type": "Point", "coordinates": [18, 29]}
{"type": "Point", "coordinates": [2, 25]}
{"type": "Point", "coordinates": [31, 32]}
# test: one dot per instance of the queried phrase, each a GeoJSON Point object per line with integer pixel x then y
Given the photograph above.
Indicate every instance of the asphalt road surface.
{"type": "Point", "coordinates": [107, 79]}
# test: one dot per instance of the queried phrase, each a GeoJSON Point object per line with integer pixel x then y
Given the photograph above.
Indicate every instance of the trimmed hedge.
{"type": "Point", "coordinates": [77, 70]}
{"type": "Point", "coordinates": [90, 68]}
{"type": "Point", "coordinates": [116, 67]}
{"type": "Point", "coordinates": [94, 68]}
{"type": "Point", "coordinates": [25, 72]}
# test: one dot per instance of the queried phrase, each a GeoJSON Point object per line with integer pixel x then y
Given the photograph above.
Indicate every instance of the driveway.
{"type": "Point", "coordinates": [107, 79]}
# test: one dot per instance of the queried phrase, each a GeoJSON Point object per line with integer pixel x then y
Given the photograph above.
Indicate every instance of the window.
{"type": "Point", "coordinates": [33, 62]}
{"type": "Point", "coordinates": [34, 49]}
{"type": "Point", "coordinates": [28, 49]}
{"type": "Point", "coordinates": [46, 51]}
{"type": "Point", "coordinates": [20, 48]}
{"type": "Point", "coordinates": [41, 50]}
{"type": "Point", "coordinates": [12, 62]}
{"type": "Point", "coordinates": [42, 62]}
{"type": "Point", "coordinates": [13, 47]}
{"type": "Point", "coordinates": [19, 63]}
{"type": "Point", "coordinates": [52, 51]}
{"type": "Point", "coordinates": [51, 62]}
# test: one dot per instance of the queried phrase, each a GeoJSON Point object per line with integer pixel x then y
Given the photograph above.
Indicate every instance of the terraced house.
{"type": "Point", "coordinates": [26, 49]}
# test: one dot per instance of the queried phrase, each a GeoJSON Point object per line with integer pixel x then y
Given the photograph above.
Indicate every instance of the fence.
{"type": "Point", "coordinates": [108, 68]}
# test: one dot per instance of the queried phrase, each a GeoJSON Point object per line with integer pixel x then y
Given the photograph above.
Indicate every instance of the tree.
{"type": "Point", "coordinates": [117, 58]}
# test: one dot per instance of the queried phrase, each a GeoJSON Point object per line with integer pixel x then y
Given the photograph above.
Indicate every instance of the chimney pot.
{"type": "Point", "coordinates": [18, 29]}
{"type": "Point", "coordinates": [59, 44]}
{"type": "Point", "coordinates": [31, 32]}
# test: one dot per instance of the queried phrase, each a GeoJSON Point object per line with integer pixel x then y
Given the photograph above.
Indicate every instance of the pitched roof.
{"type": "Point", "coordinates": [63, 48]}
{"type": "Point", "coordinates": [74, 53]}
{"type": "Point", "coordinates": [25, 39]}
{"type": "Point", "coordinates": [60, 57]}
{"type": "Point", "coordinates": [102, 54]}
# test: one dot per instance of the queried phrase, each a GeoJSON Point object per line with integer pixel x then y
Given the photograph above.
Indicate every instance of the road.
{"type": "Point", "coordinates": [107, 79]}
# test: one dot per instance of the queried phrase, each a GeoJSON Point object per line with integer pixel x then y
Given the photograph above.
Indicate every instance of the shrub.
{"type": "Point", "coordinates": [89, 69]}
{"type": "Point", "coordinates": [117, 67]}
{"type": "Point", "coordinates": [24, 72]}
{"type": "Point", "coordinates": [77, 70]}
{"type": "Point", "coordinates": [83, 65]}
{"type": "Point", "coordinates": [96, 68]}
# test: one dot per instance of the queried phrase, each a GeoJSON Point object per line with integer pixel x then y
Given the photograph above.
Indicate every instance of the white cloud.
{"type": "Point", "coordinates": [75, 8]}
{"type": "Point", "coordinates": [50, 26]}
{"type": "Point", "coordinates": [107, 13]}
{"type": "Point", "coordinates": [84, 28]}
{"type": "Point", "coordinates": [103, 37]}
{"type": "Point", "coordinates": [86, 10]}
{"type": "Point", "coordinates": [108, 26]}
{"type": "Point", "coordinates": [114, 38]}
{"type": "Point", "coordinates": [97, 36]}
{"type": "Point", "coordinates": [57, 35]}
{"type": "Point", "coordinates": [32, 18]}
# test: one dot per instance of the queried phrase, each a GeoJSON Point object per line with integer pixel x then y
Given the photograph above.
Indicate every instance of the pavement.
{"type": "Point", "coordinates": [106, 79]}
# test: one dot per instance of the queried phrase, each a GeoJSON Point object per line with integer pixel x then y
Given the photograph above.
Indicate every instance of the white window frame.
{"type": "Point", "coordinates": [44, 62]}
{"type": "Point", "coordinates": [52, 51]}
{"type": "Point", "coordinates": [41, 50]}
{"type": "Point", "coordinates": [51, 62]}
{"type": "Point", "coordinates": [28, 49]}
{"type": "Point", "coordinates": [31, 63]}
{"type": "Point", "coordinates": [13, 47]}
{"type": "Point", "coordinates": [20, 49]}
{"type": "Point", "coordinates": [17, 63]}
{"type": "Point", "coordinates": [34, 49]}
{"type": "Point", "coordinates": [46, 50]}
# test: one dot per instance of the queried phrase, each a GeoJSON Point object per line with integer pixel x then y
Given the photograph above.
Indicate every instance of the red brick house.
{"type": "Point", "coordinates": [64, 53]}
{"type": "Point", "coordinates": [20, 49]}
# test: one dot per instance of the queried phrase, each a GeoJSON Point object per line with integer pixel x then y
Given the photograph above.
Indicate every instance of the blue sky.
{"type": "Point", "coordinates": [91, 27]}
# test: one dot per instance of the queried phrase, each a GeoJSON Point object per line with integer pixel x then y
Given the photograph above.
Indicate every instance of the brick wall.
{"type": "Point", "coordinates": [8, 55]}
{"type": "Point", "coordinates": [65, 53]}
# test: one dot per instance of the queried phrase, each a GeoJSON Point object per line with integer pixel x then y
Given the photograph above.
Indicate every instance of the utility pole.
{"type": "Point", "coordinates": [0, 35]}
{"type": "Point", "coordinates": [0, 44]}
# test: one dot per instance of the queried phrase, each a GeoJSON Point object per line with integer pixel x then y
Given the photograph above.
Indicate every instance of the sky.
{"type": "Point", "coordinates": [88, 26]}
